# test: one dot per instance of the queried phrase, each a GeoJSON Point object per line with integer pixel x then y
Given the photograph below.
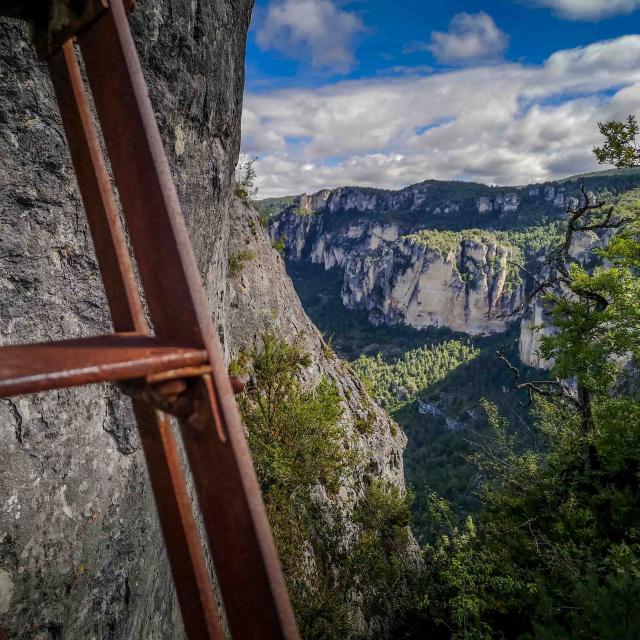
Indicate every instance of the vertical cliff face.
{"type": "Point", "coordinates": [536, 320]}
{"type": "Point", "coordinates": [262, 298]}
{"type": "Point", "coordinates": [80, 552]}
{"type": "Point", "coordinates": [463, 287]}
{"type": "Point", "coordinates": [535, 324]}
{"type": "Point", "coordinates": [462, 282]}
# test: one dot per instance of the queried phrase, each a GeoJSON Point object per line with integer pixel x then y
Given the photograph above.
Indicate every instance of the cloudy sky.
{"type": "Point", "coordinates": [390, 92]}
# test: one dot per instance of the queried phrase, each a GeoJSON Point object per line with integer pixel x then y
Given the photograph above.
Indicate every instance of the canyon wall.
{"type": "Point", "coordinates": [467, 285]}
{"type": "Point", "coordinates": [438, 254]}
{"type": "Point", "coordinates": [81, 556]}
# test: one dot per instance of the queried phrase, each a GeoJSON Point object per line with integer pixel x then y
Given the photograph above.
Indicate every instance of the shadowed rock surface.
{"type": "Point", "coordinates": [80, 552]}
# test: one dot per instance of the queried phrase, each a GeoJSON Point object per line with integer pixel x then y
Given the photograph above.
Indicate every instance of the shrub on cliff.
{"type": "Point", "coordinates": [338, 559]}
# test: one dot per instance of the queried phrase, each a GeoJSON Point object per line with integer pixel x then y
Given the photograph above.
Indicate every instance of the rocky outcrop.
{"type": "Point", "coordinates": [536, 320]}
{"type": "Point", "coordinates": [262, 298]}
{"type": "Point", "coordinates": [431, 197]}
{"type": "Point", "coordinates": [364, 234]}
{"type": "Point", "coordinates": [536, 323]}
{"type": "Point", "coordinates": [399, 280]}
{"type": "Point", "coordinates": [464, 288]}
{"type": "Point", "coordinates": [80, 552]}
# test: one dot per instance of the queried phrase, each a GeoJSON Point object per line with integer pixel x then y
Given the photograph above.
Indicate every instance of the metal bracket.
{"type": "Point", "coordinates": [65, 19]}
{"type": "Point", "coordinates": [174, 392]}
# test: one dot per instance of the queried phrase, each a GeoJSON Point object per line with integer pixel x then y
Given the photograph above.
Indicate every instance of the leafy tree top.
{"type": "Point", "coordinates": [621, 147]}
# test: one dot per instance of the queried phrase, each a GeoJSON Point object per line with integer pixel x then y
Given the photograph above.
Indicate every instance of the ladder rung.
{"type": "Point", "coordinates": [31, 368]}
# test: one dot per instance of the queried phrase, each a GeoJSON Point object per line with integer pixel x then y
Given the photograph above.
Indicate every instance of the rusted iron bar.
{"type": "Point", "coordinates": [194, 590]}
{"type": "Point", "coordinates": [59, 21]}
{"type": "Point", "coordinates": [181, 370]}
{"type": "Point", "coordinates": [97, 193]}
{"type": "Point", "coordinates": [31, 368]}
{"type": "Point", "coordinates": [143, 179]}
{"type": "Point", "coordinates": [238, 532]}
{"type": "Point", "coordinates": [188, 566]}
{"type": "Point", "coordinates": [235, 521]}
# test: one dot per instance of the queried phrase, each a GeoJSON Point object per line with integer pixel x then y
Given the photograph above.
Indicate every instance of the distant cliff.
{"type": "Point", "coordinates": [441, 254]}
{"type": "Point", "coordinates": [399, 272]}
{"type": "Point", "coordinates": [536, 318]}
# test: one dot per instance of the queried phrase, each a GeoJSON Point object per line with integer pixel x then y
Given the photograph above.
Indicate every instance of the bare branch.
{"type": "Point", "coordinates": [539, 288]}
{"type": "Point", "coordinates": [548, 388]}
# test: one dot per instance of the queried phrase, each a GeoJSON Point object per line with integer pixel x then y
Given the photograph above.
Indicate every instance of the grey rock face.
{"type": "Point", "coordinates": [262, 298]}
{"type": "Point", "coordinates": [81, 557]}
{"type": "Point", "coordinates": [403, 282]}
{"type": "Point", "coordinates": [80, 552]}
{"type": "Point", "coordinates": [536, 320]}
{"type": "Point", "coordinates": [399, 281]}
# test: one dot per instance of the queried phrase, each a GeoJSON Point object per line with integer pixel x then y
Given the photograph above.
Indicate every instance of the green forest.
{"type": "Point", "coordinates": [393, 383]}
{"type": "Point", "coordinates": [525, 484]}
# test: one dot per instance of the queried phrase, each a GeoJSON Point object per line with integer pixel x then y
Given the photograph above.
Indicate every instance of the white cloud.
{"type": "Point", "coordinates": [589, 9]}
{"type": "Point", "coordinates": [503, 124]}
{"type": "Point", "coordinates": [314, 27]}
{"type": "Point", "coordinates": [471, 38]}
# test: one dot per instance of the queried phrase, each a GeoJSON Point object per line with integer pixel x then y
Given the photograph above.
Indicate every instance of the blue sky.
{"type": "Point", "coordinates": [385, 93]}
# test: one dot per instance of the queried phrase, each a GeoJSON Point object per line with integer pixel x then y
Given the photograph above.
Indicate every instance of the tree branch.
{"type": "Point", "coordinates": [558, 389]}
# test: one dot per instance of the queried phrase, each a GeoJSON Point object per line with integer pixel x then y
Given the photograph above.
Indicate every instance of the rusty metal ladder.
{"type": "Point", "coordinates": [177, 370]}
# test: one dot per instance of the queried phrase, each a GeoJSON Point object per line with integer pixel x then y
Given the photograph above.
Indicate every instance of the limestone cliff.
{"type": "Point", "coordinates": [431, 197]}
{"type": "Point", "coordinates": [262, 298]}
{"type": "Point", "coordinates": [536, 319]}
{"type": "Point", "coordinates": [535, 324]}
{"type": "Point", "coordinates": [406, 278]}
{"type": "Point", "coordinates": [80, 553]}
{"type": "Point", "coordinates": [395, 261]}
{"type": "Point", "coordinates": [464, 287]}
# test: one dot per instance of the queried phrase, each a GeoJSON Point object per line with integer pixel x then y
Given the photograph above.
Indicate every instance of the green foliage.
{"type": "Point", "coordinates": [245, 180]}
{"type": "Point", "coordinates": [298, 446]}
{"type": "Point", "coordinates": [327, 348]}
{"type": "Point", "coordinates": [554, 552]}
{"type": "Point", "coordinates": [303, 212]}
{"type": "Point", "coordinates": [598, 324]}
{"type": "Point", "coordinates": [280, 244]}
{"type": "Point", "coordinates": [620, 148]}
{"type": "Point", "coordinates": [402, 380]}
{"type": "Point", "coordinates": [554, 543]}
{"type": "Point", "coordinates": [237, 261]}
{"type": "Point", "coordinates": [365, 425]}
{"type": "Point", "coordinates": [513, 247]}
{"type": "Point", "coordinates": [439, 456]}
{"type": "Point", "coordinates": [381, 554]}
{"type": "Point", "coordinates": [269, 207]}
{"type": "Point", "coordinates": [624, 247]}
{"type": "Point", "coordinates": [591, 339]}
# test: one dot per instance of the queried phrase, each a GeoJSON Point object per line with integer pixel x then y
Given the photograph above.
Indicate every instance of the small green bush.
{"type": "Point", "coordinates": [280, 244]}
{"type": "Point", "coordinates": [237, 261]}
{"type": "Point", "coordinates": [246, 175]}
